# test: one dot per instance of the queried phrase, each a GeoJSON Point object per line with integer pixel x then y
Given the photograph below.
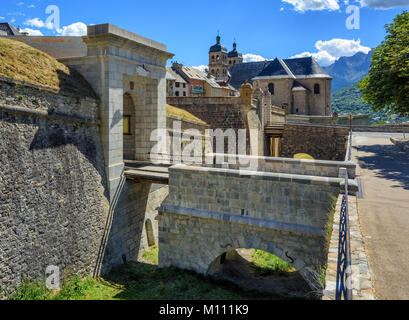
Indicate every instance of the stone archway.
{"type": "Point", "coordinates": [260, 270]}
{"type": "Point", "coordinates": [150, 238]}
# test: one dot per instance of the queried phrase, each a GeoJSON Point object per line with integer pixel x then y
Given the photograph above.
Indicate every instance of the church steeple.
{"type": "Point", "coordinates": [218, 60]}
{"type": "Point", "coordinates": [234, 56]}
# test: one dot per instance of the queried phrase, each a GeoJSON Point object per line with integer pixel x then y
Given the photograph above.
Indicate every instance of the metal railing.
{"type": "Point", "coordinates": [344, 270]}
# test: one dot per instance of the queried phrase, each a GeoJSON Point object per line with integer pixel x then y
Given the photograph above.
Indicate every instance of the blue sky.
{"type": "Point", "coordinates": [262, 28]}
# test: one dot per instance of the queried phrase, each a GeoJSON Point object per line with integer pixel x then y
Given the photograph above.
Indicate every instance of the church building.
{"type": "Point", "coordinates": [220, 61]}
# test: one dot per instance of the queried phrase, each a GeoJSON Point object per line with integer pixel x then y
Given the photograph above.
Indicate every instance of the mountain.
{"type": "Point", "coordinates": [348, 100]}
{"type": "Point", "coordinates": [349, 70]}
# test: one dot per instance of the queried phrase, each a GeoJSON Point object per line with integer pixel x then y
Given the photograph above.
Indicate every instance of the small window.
{"type": "Point", "coordinates": [177, 93]}
{"type": "Point", "coordinates": [217, 58]}
{"type": "Point", "coordinates": [184, 93]}
{"type": "Point", "coordinates": [184, 85]}
{"type": "Point", "coordinates": [177, 84]}
{"type": "Point", "coordinates": [317, 89]}
{"type": "Point", "coordinates": [127, 124]}
{"type": "Point", "coordinates": [271, 88]}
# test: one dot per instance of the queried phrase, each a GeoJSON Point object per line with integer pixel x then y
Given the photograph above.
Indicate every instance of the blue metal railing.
{"type": "Point", "coordinates": [344, 271]}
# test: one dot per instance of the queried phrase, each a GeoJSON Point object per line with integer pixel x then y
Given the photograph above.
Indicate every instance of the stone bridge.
{"type": "Point", "coordinates": [211, 211]}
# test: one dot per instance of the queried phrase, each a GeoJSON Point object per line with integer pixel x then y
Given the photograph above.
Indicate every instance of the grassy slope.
{"type": "Point", "coordinates": [144, 281]}
{"type": "Point", "coordinates": [22, 62]}
{"type": "Point", "coordinates": [183, 114]}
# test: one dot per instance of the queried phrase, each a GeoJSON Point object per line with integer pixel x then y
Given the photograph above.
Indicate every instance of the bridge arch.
{"type": "Point", "coordinates": [150, 236]}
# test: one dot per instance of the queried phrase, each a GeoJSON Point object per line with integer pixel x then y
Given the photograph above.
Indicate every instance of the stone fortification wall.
{"type": "Point", "coordinates": [53, 205]}
{"type": "Point", "coordinates": [319, 141]}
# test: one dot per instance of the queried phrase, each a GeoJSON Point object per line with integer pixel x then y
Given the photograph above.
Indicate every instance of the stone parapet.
{"type": "Point", "coordinates": [321, 168]}
{"type": "Point", "coordinates": [362, 286]}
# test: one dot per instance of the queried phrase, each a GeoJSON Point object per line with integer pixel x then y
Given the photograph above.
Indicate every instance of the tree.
{"type": "Point", "coordinates": [387, 85]}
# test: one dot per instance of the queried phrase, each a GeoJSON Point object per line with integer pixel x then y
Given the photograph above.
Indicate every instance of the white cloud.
{"type": "Point", "coordinates": [305, 5]}
{"type": "Point", "coordinates": [383, 4]}
{"type": "Point", "coordinates": [2, 18]}
{"type": "Point", "coordinates": [32, 32]}
{"type": "Point", "coordinates": [75, 29]}
{"type": "Point", "coordinates": [341, 47]}
{"type": "Point", "coordinates": [202, 68]}
{"type": "Point", "coordinates": [31, 6]}
{"type": "Point", "coordinates": [249, 57]}
{"type": "Point", "coordinates": [330, 51]}
{"type": "Point", "coordinates": [322, 57]}
{"type": "Point", "coordinates": [20, 4]}
{"type": "Point", "coordinates": [38, 23]}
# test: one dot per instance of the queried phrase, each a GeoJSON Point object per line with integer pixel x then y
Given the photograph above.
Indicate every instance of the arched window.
{"type": "Point", "coordinates": [212, 71]}
{"type": "Point", "coordinates": [217, 58]}
{"type": "Point", "coordinates": [212, 57]}
{"type": "Point", "coordinates": [271, 88]}
{"type": "Point", "coordinates": [317, 89]}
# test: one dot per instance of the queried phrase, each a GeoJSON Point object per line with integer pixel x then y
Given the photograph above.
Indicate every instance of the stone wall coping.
{"type": "Point", "coordinates": [318, 125]}
{"type": "Point", "coordinates": [45, 114]}
{"type": "Point", "coordinates": [260, 223]}
{"type": "Point", "coordinates": [107, 28]}
{"type": "Point", "coordinates": [282, 177]}
{"type": "Point", "coordinates": [323, 163]}
{"type": "Point", "coordinates": [112, 34]}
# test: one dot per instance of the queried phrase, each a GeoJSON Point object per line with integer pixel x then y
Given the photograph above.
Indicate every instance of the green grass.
{"type": "Point", "coordinates": [266, 264]}
{"type": "Point", "coordinates": [152, 255]}
{"type": "Point", "coordinates": [140, 281]}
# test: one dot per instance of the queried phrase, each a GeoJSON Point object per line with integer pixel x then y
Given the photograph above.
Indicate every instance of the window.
{"type": "Point", "coordinates": [317, 89]}
{"type": "Point", "coordinates": [217, 58]}
{"type": "Point", "coordinates": [127, 124]}
{"type": "Point", "coordinates": [184, 93]}
{"type": "Point", "coordinates": [213, 58]}
{"type": "Point", "coordinates": [184, 85]}
{"type": "Point", "coordinates": [177, 93]}
{"type": "Point", "coordinates": [271, 88]}
{"type": "Point", "coordinates": [177, 84]}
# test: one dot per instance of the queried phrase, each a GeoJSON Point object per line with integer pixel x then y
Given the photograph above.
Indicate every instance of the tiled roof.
{"type": "Point", "coordinates": [241, 72]}
{"type": "Point", "coordinates": [305, 67]}
{"type": "Point", "coordinates": [299, 68]}
{"type": "Point", "coordinates": [193, 73]}
{"type": "Point", "coordinates": [299, 87]}
{"type": "Point", "coordinates": [173, 75]}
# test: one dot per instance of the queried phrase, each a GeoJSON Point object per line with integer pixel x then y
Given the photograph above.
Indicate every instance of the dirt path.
{"type": "Point", "coordinates": [384, 212]}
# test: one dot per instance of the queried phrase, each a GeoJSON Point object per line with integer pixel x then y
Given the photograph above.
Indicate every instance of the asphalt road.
{"type": "Point", "coordinates": [384, 212]}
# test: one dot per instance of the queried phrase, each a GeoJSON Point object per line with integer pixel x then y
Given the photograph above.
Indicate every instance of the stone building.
{"type": "Point", "coordinates": [176, 86]}
{"type": "Point", "coordinates": [6, 29]}
{"type": "Point", "coordinates": [201, 84]}
{"type": "Point", "coordinates": [300, 86]}
{"type": "Point", "coordinates": [220, 60]}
